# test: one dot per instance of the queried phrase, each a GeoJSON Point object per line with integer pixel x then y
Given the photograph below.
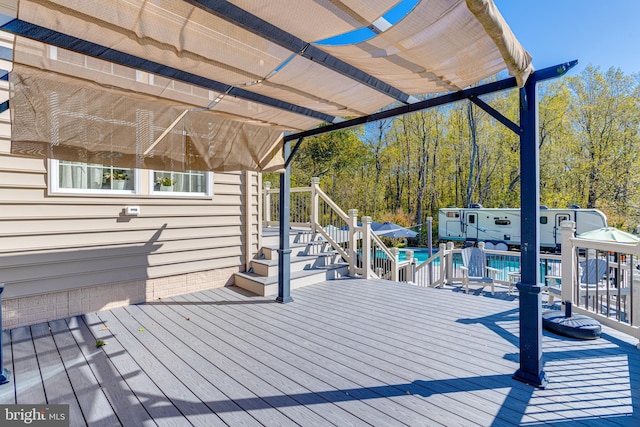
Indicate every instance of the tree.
{"type": "Point", "coordinates": [605, 114]}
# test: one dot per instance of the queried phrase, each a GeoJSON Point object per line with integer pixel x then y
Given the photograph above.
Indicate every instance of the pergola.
{"type": "Point", "coordinates": [215, 85]}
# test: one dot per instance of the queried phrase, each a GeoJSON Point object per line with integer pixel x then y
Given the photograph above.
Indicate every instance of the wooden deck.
{"type": "Point", "coordinates": [345, 352]}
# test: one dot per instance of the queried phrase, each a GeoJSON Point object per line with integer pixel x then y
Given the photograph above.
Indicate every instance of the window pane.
{"type": "Point", "coordinates": [118, 179]}
{"type": "Point", "coordinates": [182, 182]}
{"type": "Point", "coordinates": [88, 176]}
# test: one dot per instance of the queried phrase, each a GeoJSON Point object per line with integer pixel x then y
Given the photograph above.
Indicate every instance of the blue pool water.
{"type": "Point", "coordinates": [421, 254]}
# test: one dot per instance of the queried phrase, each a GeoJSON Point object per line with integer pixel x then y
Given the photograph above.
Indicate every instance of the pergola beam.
{"type": "Point", "coordinates": [544, 74]}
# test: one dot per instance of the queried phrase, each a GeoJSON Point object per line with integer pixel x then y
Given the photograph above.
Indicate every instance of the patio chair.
{"type": "Point", "coordinates": [475, 270]}
{"type": "Point", "coordinates": [592, 274]}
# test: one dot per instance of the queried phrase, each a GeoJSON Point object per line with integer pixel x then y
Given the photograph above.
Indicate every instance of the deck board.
{"type": "Point", "coordinates": [25, 364]}
{"type": "Point", "coordinates": [346, 353]}
{"type": "Point", "coordinates": [198, 314]}
{"type": "Point", "coordinates": [323, 357]}
{"type": "Point", "coordinates": [123, 401]}
{"type": "Point", "coordinates": [218, 388]}
{"type": "Point", "coordinates": [150, 396]}
{"type": "Point", "coordinates": [95, 406]}
{"type": "Point", "coordinates": [227, 358]}
{"type": "Point", "coordinates": [55, 380]}
{"type": "Point", "coordinates": [148, 354]}
{"type": "Point", "coordinates": [368, 359]}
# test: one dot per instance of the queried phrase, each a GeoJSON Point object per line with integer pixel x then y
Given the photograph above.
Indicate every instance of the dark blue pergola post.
{"type": "Point", "coordinates": [284, 252]}
{"type": "Point", "coordinates": [4, 374]}
{"type": "Point", "coordinates": [530, 371]}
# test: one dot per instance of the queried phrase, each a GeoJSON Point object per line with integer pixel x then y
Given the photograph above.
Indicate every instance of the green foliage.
{"type": "Point", "coordinates": [166, 181]}
{"type": "Point", "coordinates": [116, 174]}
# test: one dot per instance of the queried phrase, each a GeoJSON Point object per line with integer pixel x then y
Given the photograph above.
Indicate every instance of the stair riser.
{"type": "Point", "coordinates": [316, 248]}
{"type": "Point", "coordinates": [294, 237]}
{"type": "Point", "coordinates": [325, 260]}
{"type": "Point", "coordinates": [272, 270]}
{"type": "Point", "coordinates": [272, 254]}
{"type": "Point", "coordinates": [272, 289]}
{"type": "Point", "coordinates": [275, 240]}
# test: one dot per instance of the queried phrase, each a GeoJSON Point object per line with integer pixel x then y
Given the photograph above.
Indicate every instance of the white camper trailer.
{"type": "Point", "coordinates": [502, 225]}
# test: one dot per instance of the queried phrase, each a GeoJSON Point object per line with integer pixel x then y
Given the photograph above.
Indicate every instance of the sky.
{"type": "Point", "coordinates": [604, 33]}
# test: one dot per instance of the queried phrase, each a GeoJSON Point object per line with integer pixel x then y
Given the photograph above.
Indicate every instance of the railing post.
{"type": "Point", "coordinates": [315, 201]}
{"type": "Point", "coordinates": [442, 250]}
{"type": "Point", "coordinates": [394, 263]}
{"type": "Point", "coordinates": [430, 245]}
{"type": "Point", "coordinates": [449, 275]}
{"type": "Point", "coordinates": [366, 247]}
{"type": "Point", "coordinates": [567, 230]}
{"type": "Point", "coordinates": [4, 374]}
{"type": "Point", "coordinates": [411, 270]}
{"type": "Point", "coordinates": [267, 203]}
{"type": "Point", "coordinates": [353, 247]}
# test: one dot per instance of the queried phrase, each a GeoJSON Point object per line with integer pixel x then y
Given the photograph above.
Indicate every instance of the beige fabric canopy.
{"type": "Point", "coordinates": [263, 68]}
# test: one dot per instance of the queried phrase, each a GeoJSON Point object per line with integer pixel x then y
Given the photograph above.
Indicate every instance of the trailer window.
{"type": "Point", "coordinates": [453, 215]}
{"type": "Point", "coordinates": [503, 222]}
{"type": "Point", "coordinates": [543, 220]}
{"type": "Point", "coordinates": [472, 219]}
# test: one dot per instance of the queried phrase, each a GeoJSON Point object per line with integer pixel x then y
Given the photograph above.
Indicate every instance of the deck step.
{"type": "Point", "coordinates": [271, 236]}
{"type": "Point", "coordinates": [270, 252]}
{"type": "Point", "coordinates": [269, 267]}
{"type": "Point", "coordinates": [265, 286]}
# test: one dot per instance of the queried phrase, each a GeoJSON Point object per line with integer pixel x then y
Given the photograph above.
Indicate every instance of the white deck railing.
{"type": "Point", "coordinates": [365, 252]}
{"type": "Point", "coordinates": [300, 214]}
{"type": "Point", "coordinates": [612, 292]}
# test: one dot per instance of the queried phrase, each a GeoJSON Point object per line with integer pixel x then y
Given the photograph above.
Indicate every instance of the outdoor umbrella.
{"type": "Point", "coordinates": [389, 229]}
{"type": "Point", "coordinates": [609, 234]}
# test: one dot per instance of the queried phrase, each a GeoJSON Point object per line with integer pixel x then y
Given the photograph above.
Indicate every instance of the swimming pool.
{"type": "Point", "coordinates": [505, 264]}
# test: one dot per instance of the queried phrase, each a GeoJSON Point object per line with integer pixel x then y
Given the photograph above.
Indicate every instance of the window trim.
{"type": "Point", "coordinates": [53, 187]}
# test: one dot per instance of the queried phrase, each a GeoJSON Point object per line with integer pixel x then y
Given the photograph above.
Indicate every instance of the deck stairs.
{"type": "Point", "coordinates": [313, 260]}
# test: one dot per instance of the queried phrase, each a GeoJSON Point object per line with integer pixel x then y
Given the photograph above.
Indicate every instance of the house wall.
{"type": "Point", "coordinates": [63, 255]}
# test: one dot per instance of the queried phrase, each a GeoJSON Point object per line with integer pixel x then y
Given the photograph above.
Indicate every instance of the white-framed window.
{"type": "Point", "coordinates": [92, 179]}
{"type": "Point", "coordinates": [89, 178]}
{"type": "Point", "coordinates": [189, 183]}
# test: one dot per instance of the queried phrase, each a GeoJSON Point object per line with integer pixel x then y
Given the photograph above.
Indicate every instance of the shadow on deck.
{"type": "Point", "coordinates": [345, 352]}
